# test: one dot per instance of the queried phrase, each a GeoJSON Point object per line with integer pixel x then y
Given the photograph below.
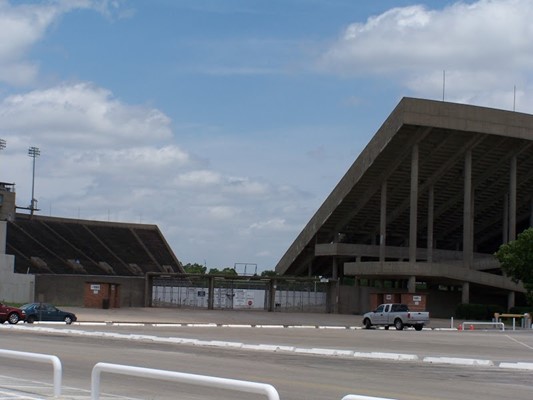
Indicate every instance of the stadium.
{"type": "Point", "coordinates": [416, 218]}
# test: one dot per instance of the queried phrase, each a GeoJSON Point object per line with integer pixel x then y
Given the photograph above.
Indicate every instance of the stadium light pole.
{"type": "Point", "coordinates": [2, 144]}
{"type": "Point", "coordinates": [33, 152]}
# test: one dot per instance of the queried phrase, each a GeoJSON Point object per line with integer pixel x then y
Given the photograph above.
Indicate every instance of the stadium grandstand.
{"type": "Point", "coordinates": [74, 261]}
{"type": "Point", "coordinates": [422, 210]}
{"type": "Point", "coordinates": [49, 245]}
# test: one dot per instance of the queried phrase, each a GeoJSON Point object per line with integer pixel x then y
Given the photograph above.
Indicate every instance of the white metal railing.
{"type": "Point", "coordinates": [472, 323]}
{"type": "Point", "coordinates": [46, 358]}
{"type": "Point", "coordinates": [360, 397]}
{"type": "Point", "coordinates": [201, 380]}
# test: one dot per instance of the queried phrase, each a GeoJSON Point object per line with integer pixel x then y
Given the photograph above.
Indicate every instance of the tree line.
{"type": "Point", "coordinates": [200, 269]}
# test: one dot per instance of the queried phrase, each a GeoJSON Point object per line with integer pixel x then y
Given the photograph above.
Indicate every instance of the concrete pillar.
{"type": "Point", "coordinates": [510, 300]}
{"type": "Point", "coordinates": [512, 199]}
{"type": "Point", "coordinates": [411, 284]}
{"type": "Point", "coordinates": [413, 205]}
{"type": "Point", "coordinates": [310, 270]}
{"type": "Point", "coordinates": [383, 222]}
{"type": "Point", "coordinates": [467, 212]}
{"type": "Point", "coordinates": [3, 236]}
{"type": "Point", "coordinates": [335, 269]}
{"type": "Point", "coordinates": [465, 295]}
{"type": "Point", "coordinates": [272, 299]}
{"type": "Point", "coordinates": [505, 217]}
{"type": "Point", "coordinates": [431, 206]}
{"type": "Point", "coordinates": [357, 296]}
{"type": "Point", "coordinates": [337, 288]}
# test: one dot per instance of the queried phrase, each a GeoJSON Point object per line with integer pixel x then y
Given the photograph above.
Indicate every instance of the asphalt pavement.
{"type": "Point", "coordinates": [150, 315]}
{"type": "Point", "coordinates": [431, 347]}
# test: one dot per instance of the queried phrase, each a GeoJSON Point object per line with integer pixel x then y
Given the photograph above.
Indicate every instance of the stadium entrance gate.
{"type": "Point", "coordinates": [237, 292]}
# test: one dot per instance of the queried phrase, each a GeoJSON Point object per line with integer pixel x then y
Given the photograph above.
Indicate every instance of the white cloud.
{"type": "Point", "coordinates": [198, 178]}
{"type": "Point", "coordinates": [24, 25]}
{"type": "Point", "coordinates": [487, 34]}
{"type": "Point", "coordinates": [275, 224]}
{"type": "Point", "coordinates": [81, 114]}
{"type": "Point", "coordinates": [223, 212]}
{"type": "Point", "coordinates": [485, 47]}
{"type": "Point", "coordinates": [245, 186]}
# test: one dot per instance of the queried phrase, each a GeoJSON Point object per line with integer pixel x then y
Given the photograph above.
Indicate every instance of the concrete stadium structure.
{"type": "Point", "coordinates": [59, 259]}
{"type": "Point", "coordinates": [423, 208]}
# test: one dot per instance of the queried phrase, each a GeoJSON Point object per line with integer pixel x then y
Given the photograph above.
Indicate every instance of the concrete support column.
{"type": "Point", "coordinates": [467, 212]}
{"type": "Point", "coordinates": [357, 296]}
{"type": "Point", "coordinates": [431, 206]}
{"type": "Point", "coordinates": [411, 284]}
{"type": "Point", "coordinates": [413, 205]}
{"type": "Point", "coordinates": [510, 300]}
{"type": "Point", "coordinates": [334, 269]}
{"type": "Point", "coordinates": [272, 299]}
{"type": "Point", "coordinates": [337, 288]}
{"type": "Point", "coordinates": [383, 222]}
{"type": "Point", "coordinates": [465, 295]}
{"type": "Point", "coordinates": [505, 218]}
{"type": "Point", "coordinates": [310, 270]}
{"type": "Point", "coordinates": [512, 199]}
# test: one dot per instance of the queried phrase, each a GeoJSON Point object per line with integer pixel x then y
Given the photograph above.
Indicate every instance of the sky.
{"type": "Point", "coordinates": [228, 123]}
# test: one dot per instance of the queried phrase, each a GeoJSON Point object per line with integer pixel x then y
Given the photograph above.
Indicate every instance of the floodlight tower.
{"type": "Point", "coordinates": [2, 144]}
{"type": "Point", "coordinates": [33, 152]}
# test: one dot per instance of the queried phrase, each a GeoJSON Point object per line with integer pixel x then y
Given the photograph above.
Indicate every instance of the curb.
{"type": "Point", "coordinates": [347, 354]}
{"type": "Point", "coordinates": [458, 361]}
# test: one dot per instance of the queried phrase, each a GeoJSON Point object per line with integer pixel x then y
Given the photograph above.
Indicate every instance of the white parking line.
{"type": "Point", "coordinates": [519, 342]}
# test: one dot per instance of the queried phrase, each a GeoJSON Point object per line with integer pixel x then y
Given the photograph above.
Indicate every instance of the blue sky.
{"type": "Point", "coordinates": [227, 123]}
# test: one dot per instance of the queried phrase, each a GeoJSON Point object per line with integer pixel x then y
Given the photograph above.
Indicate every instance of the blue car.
{"type": "Point", "coordinates": [46, 312]}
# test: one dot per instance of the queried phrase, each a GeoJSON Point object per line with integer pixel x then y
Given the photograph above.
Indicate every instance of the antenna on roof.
{"type": "Point", "coordinates": [514, 98]}
{"type": "Point", "coordinates": [443, 83]}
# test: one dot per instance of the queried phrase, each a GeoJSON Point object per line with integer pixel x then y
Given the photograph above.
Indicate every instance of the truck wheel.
{"type": "Point", "coordinates": [398, 324]}
{"type": "Point", "coordinates": [418, 327]}
{"type": "Point", "coordinates": [367, 323]}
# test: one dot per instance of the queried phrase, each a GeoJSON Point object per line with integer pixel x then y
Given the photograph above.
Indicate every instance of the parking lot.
{"type": "Point", "coordinates": [304, 356]}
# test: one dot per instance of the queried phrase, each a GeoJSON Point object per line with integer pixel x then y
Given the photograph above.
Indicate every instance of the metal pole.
{"type": "Point", "coordinates": [33, 152]}
{"type": "Point", "coordinates": [2, 144]}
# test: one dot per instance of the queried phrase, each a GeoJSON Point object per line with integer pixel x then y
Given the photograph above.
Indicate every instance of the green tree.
{"type": "Point", "coordinates": [269, 273]}
{"type": "Point", "coordinates": [516, 259]}
{"type": "Point", "coordinates": [225, 271]}
{"type": "Point", "coordinates": [194, 268]}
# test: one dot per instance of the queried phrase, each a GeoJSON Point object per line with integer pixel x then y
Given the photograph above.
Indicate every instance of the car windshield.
{"type": "Point", "coordinates": [26, 306]}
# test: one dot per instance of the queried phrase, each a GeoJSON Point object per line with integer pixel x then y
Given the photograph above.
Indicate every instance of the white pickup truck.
{"type": "Point", "coordinates": [397, 315]}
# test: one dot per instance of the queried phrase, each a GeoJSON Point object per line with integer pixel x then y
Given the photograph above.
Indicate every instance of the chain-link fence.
{"type": "Point", "coordinates": [239, 294]}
